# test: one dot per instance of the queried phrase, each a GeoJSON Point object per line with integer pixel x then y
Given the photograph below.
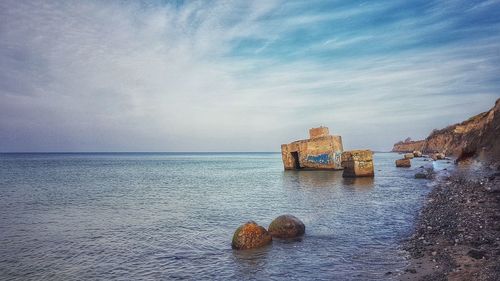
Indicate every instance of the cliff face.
{"type": "Point", "coordinates": [477, 136]}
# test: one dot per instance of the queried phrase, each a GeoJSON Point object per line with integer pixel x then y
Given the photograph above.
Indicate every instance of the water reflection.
{"type": "Point", "coordinates": [250, 262]}
{"type": "Point", "coordinates": [319, 179]}
{"type": "Point", "coordinates": [325, 179]}
{"type": "Point", "coordinates": [362, 183]}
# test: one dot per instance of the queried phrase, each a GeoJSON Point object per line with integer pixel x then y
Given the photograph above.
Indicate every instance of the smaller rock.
{"type": "Point", "coordinates": [493, 176]}
{"type": "Point", "coordinates": [417, 153]}
{"type": "Point", "coordinates": [403, 163]}
{"type": "Point", "coordinates": [420, 176]}
{"type": "Point", "coordinates": [287, 226]}
{"type": "Point", "coordinates": [411, 270]}
{"type": "Point", "coordinates": [438, 156]}
{"type": "Point", "coordinates": [408, 156]}
{"type": "Point", "coordinates": [425, 173]}
{"type": "Point", "coordinates": [476, 254]}
{"type": "Point", "coordinates": [250, 236]}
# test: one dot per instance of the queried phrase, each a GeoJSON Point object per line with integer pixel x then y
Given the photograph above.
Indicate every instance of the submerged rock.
{"type": "Point", "coordinates": [287, 226]}
{"type": "Point", "coordinates": [250, 236]}
{"type": "Point", "coordinates": [405, 163]}
{"type": "Point", "coordinates": [425, 173]}
{"type": "Point", "coordinates": [420, 175]}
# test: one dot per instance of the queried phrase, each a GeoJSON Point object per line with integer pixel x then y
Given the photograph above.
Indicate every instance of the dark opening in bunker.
{"type": "Point", "coordinates": [295, 157]}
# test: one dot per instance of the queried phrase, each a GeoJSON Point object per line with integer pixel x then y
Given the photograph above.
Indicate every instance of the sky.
{"type": "Point", "coordinates": [240, 75]}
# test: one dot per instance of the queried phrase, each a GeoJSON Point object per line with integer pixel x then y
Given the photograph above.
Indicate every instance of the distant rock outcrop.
{"type": "Point", "coordinates": [408, 146]}
{"type": "Point", "coordinates": [477, 136]}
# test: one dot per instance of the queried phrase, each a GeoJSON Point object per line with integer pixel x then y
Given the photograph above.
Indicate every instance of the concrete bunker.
{"type": "Point", "coordinates": [321, 151]}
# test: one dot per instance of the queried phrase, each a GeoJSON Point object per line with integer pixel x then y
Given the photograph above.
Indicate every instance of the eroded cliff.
{"type": "Point", "coordinates": [477, 136]}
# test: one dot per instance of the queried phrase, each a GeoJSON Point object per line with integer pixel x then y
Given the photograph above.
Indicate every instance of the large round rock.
{"type": "Point", "coordinates": [287, 226]}
{"type": "Point", "coordinates": [250, 236]}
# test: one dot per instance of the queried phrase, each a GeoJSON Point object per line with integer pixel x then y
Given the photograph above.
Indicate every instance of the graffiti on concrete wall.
{"type": "Point", "coordinates": [319, 159]}
{"type": "Point", "coordinates": [337, 158]}
{"type": "Point", "coordinates": [326, 158]}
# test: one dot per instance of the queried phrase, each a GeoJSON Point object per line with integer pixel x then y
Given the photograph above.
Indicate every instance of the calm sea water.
{"type": "Point", "coordinates": [172, 216]}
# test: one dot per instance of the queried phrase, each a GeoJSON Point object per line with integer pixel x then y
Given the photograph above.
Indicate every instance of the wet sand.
{"type": "Point", "coordinates": [457, 236]}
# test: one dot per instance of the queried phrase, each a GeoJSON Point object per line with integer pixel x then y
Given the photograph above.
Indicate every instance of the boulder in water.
{"type": "Point", "coordinates": [405, 163]}
{"type": "Point", "coordinates": [425, 173]}
{"type": "Point", "coordinates": [420, 175]}
{"type": "Point", "coordinates": [409, 156]}
{"type": "Point", "coordinates": [417, 153]}
{"type": "Point", "coordinates": [287, 226]}
{"type": "Point", "coordinates": [250, 236]}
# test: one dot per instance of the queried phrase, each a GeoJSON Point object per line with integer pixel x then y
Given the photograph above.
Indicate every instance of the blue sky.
{"type": "Point", "coordinates": [240, 75]}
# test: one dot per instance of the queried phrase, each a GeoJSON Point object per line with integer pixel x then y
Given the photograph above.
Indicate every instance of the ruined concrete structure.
{"type": "Point", "coordinates": [320, 151]}
{"type": "Point", "coordinates": [357, 163]}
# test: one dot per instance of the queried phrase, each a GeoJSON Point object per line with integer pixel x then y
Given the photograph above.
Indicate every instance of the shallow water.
{"type": "Point", "coordinates": [172, 216]}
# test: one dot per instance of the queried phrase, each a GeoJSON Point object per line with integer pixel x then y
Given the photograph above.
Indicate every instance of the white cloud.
{"type": "Point", "coordinates": [93, 76]}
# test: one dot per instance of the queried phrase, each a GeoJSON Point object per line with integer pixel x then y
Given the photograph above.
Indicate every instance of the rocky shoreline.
{"type": "Point", "coordinates": [457, 236]}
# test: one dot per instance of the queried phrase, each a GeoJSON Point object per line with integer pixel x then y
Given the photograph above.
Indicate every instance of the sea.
{"type": "Point", "coordinates": [171, 216]}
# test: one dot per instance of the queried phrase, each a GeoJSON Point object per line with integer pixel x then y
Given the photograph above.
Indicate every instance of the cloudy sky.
{"type": "Point", "coordinates": [240, 75]}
